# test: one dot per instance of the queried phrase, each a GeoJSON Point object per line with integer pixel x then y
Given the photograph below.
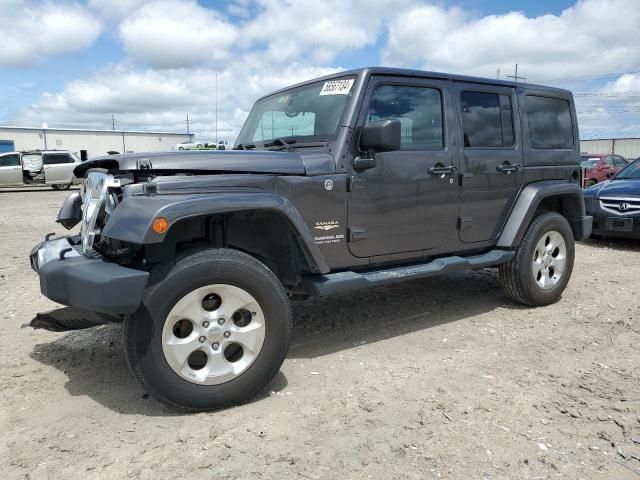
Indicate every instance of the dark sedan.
{"type": "Point", "coordinates": [615, 205]}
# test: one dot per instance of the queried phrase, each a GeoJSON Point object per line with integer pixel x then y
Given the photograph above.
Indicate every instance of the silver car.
{"type": "Point", "coordinates": [46, 167]}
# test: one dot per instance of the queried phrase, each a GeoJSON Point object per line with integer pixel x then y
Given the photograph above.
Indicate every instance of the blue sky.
{"type": "Point", "coordinates": [72, 63]}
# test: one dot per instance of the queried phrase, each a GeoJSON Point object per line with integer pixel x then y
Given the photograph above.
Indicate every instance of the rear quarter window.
{"type": "Point", "coordinates": [549, 121]}
{"type": "Point", "coordinates": [57, 158]}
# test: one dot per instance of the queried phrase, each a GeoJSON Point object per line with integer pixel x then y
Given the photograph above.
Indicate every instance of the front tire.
{"type": "Point", "coordinates": [212, 331]}
{"type": "Point", "coordinates": [61, 186]}
{"type": "Point", "coordinates": [542, 265]}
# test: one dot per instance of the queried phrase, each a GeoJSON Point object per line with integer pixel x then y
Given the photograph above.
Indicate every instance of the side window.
{"type": "Point", "coordinates": [419, 110]}
{"type": "Point", "coordinates": [608, 161]}
{"type": "Point", "coordinates": [57, 158]}
{"type": "Point", "coordinates": [487, 120]}
{"type": "Point", "coordinates": [619, 161]}
{"type": "Point", "coordinates": [549, 122]}
{"type": "Point", "coordinates": [9, 160]}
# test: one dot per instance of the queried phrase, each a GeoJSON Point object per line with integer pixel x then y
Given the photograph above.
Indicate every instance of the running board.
{"type": "Point", "coordinates": [331, 283]}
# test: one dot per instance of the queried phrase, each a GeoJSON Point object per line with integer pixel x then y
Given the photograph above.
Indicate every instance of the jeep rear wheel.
{"type": "Point", "coordinates": [542, 266]}
{"type": "Point", "coordinates": [212, 331]}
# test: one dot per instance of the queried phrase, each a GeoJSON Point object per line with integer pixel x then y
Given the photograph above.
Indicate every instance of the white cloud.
{"type": "Point", "coordinates": [31, 32]}
{"type": "Point", "coordinates": [176, 33]}
{"type": "Point", "coordinates": [316, 30]}
{"type": "Point", "coordinates": [175, 47]}
{"type": "Point", "coordinates": [159, 100]}
{"type": "Point", "coordinates": [592, 36]}
{"type": "Point", "coordinates": [115, 9]}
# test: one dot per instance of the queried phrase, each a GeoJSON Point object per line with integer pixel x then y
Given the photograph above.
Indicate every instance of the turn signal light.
{"type": "Point", "coordinates": [160, 225]}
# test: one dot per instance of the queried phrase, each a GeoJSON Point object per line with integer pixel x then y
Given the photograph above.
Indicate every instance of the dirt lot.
{"type": "Point", "coordinates": [436, 378]}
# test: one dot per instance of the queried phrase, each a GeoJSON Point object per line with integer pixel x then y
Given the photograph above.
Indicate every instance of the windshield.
{"type": "Point", "coordinates": [631, 172]}
{"type": "Point", "coordinates": [308, 113]}
{"type": "Point", "coordinates": [589, 162]}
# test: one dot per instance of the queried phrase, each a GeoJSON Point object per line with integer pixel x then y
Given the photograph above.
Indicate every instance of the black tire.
{"type": "Point", "coordinates": [61, 186]}
{"type": "Point", "coordinates": [517, 275]}
{"type": "Point", "coordinates": [169, 283]}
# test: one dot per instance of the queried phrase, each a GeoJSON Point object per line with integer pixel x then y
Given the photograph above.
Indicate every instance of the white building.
{"type": "Point", "coordinates": [87, 143]}
{"type": "Point", "coordinates": [628, 148]}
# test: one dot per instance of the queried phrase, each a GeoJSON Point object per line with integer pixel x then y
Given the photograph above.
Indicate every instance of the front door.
{"type": "Point", "coordinates": [10, 169]}
{"type": "Point", "coordinates": [491, 167]}
{"type": "Point", "coordinates": [408, 201]}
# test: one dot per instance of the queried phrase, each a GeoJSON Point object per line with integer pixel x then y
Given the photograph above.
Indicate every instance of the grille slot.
{"type": "Point", "coordinates": [620, 206]}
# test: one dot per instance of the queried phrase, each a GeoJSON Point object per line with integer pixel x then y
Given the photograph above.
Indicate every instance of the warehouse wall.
{"type": "Point", "coordinates": [628, 148]}
{"type": "Point", "coordinates": [96, 143]}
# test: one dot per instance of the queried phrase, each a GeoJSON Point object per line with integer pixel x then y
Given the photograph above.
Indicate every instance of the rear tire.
{"type": "Point", "coordinates": [177, 297]}
{"type": "Point", "coordinates": [540, 270]}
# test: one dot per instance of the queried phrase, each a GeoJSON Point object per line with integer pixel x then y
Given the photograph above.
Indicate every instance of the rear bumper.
{"type": "Point", "coordinates": [92, 284]}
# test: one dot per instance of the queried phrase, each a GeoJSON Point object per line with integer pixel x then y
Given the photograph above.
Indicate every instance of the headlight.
{"type": "Point", "coordinates": [94, 195]}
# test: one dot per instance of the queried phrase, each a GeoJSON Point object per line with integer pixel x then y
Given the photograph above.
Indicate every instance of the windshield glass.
{"type": "Point", "coordinates": [632, 172]}
{"type": "Point", "coordinates": [308, 113]}
{"type": "Point", "coordinates": [589, 162]}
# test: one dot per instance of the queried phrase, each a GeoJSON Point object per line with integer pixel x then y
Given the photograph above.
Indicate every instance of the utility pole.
{"type": "Point", "coordinates": [498, 74]}
{"type": "Point", "coordinates": [188, 131]}
{"type": "Point", "coordinates": [113, 122]}
{"type": "Point", "coordinates": [516, 77]}
{"type": "Point", "coordinates": [216, 110]}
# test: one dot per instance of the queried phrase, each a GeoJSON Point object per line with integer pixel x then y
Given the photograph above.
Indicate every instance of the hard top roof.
{"type": "Point", "coordinates": [406, 72]}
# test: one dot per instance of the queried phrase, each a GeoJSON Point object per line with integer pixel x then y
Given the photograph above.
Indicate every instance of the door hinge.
{"type": "Point", "coordinates": [355, 234]}
{"type": "Point", "coordinates": [465, 223]}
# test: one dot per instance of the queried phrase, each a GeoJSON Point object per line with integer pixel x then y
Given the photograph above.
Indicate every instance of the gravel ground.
{"type": "Point", "coordinates": [435, 378]}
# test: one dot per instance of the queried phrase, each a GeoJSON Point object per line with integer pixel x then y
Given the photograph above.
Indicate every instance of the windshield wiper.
{"type": "Point", "coordinates": [248, 146]}
{"type": "Point", "coordinates": [281, 142]}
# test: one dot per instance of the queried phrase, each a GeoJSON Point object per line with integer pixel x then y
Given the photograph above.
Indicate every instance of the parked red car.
{"type": "Point", "coordinates": [598, 167]}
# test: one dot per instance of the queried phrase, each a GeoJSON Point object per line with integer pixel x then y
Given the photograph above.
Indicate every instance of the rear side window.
{"type": "Point", "coordinates": [9, 160]}
{"type": "Point", "coordinates": [419, 110]}
{"type": "Point", "coordinates": [487, 120]}
{"type": "Point", "coordinates": [57, 158]}
{"type": "Point", "coordinates": [549, 122]}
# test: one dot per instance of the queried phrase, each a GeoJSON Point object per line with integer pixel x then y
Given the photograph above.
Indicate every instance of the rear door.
{"type": "Point", "coordinates": [10, 169]}
{"type": "Point", "coordinates": [58, 167]}
{"type": "Point", "coordinates": [491, 164]}
{"type": "Point", "coordinates": [403, 204]}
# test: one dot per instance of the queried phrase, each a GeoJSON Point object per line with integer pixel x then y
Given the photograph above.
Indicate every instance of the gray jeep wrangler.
{"type": "Point", "coordinates": [353, 180]}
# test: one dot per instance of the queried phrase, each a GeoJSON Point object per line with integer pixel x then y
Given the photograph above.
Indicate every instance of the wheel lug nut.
{"type": "Point", "coordinates": [221, 321]}
{"type": "Point", "coordinates": [202, 339]}
{"type": "Point", "coordinates": [215, 346]}
{"type": "Point", "coordinates": [227, 334]}
{"type": "Point", "coordinates": [205, 324]}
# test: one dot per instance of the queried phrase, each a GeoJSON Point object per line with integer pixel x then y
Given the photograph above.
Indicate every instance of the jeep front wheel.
{"type": "Point", "coordinates": [212, 331]}
{"type": "Point", "coordinates": [542, 266]}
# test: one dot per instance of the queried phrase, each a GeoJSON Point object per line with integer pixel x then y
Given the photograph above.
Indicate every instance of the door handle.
{"type": "Point", "coordinates": [440, 169]}
{"type": "Point", "coordinates": [507, 168]}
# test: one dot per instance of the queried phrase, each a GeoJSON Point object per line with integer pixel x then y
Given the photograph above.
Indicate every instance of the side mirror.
{"type": "Point", "coordinates": [381, 136]}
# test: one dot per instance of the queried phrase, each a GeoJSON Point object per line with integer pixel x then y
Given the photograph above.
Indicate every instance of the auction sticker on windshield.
{"type": "Point", "coordinates": [337, 87]}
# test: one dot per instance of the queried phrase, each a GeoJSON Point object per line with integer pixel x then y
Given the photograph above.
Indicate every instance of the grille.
{"type": "Point", "coordinates": [620, 206]}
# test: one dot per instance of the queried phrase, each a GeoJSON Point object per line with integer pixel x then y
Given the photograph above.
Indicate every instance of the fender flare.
{"type": "Point", "coordinates": [528, 202]}
{"type": "Point", "coordinates": [131, 220]}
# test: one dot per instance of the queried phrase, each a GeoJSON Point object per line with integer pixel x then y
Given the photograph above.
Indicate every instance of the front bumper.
{"type": "Point", "coordinates": [91, 284]}
{"type": "Point", "coordinates": [612, 224]}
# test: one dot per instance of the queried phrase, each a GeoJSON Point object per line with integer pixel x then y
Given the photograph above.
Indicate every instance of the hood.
{"type": "Point", "coordinates": [222, 161]}
{"type": "Point", "coordinates": [615, 188]}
